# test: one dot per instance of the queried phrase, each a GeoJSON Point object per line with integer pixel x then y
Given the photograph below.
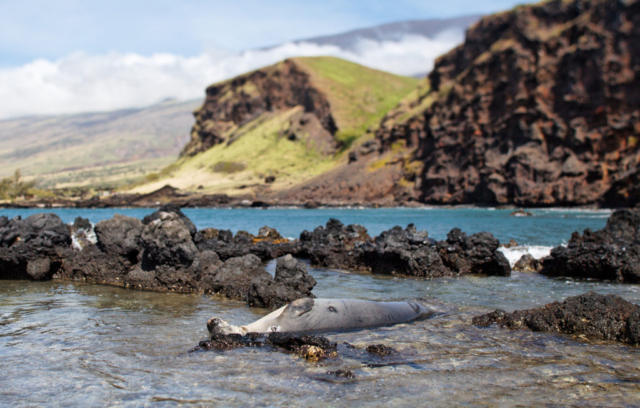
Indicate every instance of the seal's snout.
{"type": "Point", "coordinates": [213, 325]}
{"type": "Point", "coordinates": [216, 325]}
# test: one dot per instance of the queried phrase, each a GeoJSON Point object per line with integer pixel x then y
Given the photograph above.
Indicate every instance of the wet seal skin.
{"type": "Point", "coordinates": [316, 315]}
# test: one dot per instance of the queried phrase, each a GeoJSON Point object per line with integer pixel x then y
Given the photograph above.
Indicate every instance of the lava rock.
{"type": "Point", "coordinates": [33, 248]}
{"type": "Point", "coordinates": [612, 253]}
{"type": "Point", "coordinates": [268, 245]}
{"type": "Point", "coordinates": [120, 236]}
{"type": "Point", "coordinates": [312, 348]}
{"type": "Point", "coordinates": [167, 241]}
{"type": "Point", "coordinates": [292, 281]}
{"type": "Point", "coordinates": [332, 246]}
{"type": "Point", "coordinates": [380, 349]}
{"type": "Point", "coordinates": [171, 208]}
{"type": "Point", "coordinates": [607, 317]}
{"type": "Point", "coordinates": [234, 277]}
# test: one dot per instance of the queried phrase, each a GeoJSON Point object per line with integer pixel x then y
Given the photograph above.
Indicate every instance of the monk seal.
{"type": "Point", "coordinates": [314, 315]}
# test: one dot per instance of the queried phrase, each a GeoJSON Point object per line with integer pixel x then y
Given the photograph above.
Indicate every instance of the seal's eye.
{"type": "Point", "coordinates": [332, 309]}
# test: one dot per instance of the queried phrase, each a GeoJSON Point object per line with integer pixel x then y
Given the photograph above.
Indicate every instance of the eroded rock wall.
{"type": "Point", "coordinates": [539, 106]}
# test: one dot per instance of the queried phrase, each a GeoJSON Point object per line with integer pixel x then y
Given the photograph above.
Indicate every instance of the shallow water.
{"type": "Point", "coordinates": [74, 344]}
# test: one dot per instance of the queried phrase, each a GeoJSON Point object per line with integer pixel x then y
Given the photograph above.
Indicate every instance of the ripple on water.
{"type": "Point", "coordinates": [97, 345]}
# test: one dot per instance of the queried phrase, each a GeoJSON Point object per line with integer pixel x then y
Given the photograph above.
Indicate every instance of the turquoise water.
{"type": "Point", "coordinates": [68, 344]}
{"type": "Point", "coordinates": [547, 227]}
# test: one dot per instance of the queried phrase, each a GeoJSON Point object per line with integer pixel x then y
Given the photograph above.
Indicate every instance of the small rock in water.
{"type": "Point", "coordinates": [521, 213]}
{"type": "Point", "coordinates": [380, 349]}
{"type": "Point", "coordinates": [527, 263]}
{"type": "Point", "coordinates": [342, 373]}
{"type": "Point", "coordinates": [511, 244]}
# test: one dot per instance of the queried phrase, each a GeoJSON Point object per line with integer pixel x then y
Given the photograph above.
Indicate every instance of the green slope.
{"type": "Point", "coordinates": [359, 98]}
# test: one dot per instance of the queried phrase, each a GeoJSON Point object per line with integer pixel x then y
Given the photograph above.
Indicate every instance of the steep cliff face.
{"type": "Point", "coordinates": [231, 104]}
{"type": "Point", "coordinates": [539, 106]}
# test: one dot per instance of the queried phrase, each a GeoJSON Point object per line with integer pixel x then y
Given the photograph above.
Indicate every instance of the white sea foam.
{"type": "Point", "coordinates": [515, 253]}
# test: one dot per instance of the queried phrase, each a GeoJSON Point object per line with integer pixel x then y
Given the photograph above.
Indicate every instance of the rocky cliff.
{"type": "Point", "coordinates": [280, 126]}
{"type": "Point", "coordinates": [231, 104]}
{"type": "Point", "coordinates": [539, 106]}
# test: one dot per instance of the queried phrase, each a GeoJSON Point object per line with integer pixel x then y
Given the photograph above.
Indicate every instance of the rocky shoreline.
{"type": "Point", "coordinates": [165, 252]}
{"type": "Point", "coordinates": [168, 195]}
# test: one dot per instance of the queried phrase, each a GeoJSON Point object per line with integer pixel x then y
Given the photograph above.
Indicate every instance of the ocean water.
{"type": "Point", "coordinates": [69, 344]}
{"type": "Point", "coordinates": [547, 227]}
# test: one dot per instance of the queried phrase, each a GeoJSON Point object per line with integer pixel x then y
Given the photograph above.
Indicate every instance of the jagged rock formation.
{"type": "Point", "coordinates": [403, 251]}
{"type": "Point", "coordinates": [539, 106]}
{"type": "Point", "coordinates": [612, 253]}
{"type": "Point", "coordinates": [606, 317]}
{"type": "Point", "coordinates": [33, 248]}
{"type": "Point", "coordinates": [233, 103]}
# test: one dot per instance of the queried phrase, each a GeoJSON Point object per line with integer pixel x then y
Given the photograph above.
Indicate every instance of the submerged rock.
{"type": "Point", "coordinates": [612, 253]}
{"type": "Point", "coordinates": [380, 349]}
{"type": "Point", "coordinates": [311, 348]}
{"type": "Point", "coordinates": [607, 317]}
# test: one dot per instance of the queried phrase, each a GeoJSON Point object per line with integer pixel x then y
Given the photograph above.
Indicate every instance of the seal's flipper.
{"type": "Point", "coordinates": [298, 307]}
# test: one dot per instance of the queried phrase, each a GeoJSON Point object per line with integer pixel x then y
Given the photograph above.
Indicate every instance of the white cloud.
{"type": "Point", "coordinates": [81, 82]}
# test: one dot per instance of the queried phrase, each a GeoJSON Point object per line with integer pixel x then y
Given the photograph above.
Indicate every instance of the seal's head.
{"type": "Point", "coordinates": [218, 326]}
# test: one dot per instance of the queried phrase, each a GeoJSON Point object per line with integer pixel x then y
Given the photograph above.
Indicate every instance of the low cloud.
{"type": "Point", "coordinates": [82, 83]}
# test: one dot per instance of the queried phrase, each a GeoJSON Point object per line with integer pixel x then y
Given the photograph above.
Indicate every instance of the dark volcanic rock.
{"type": "Point", "coordinates": [234, 277]}
{"type": "Point", "coordinates": [606, 317]}
{"type": "Point", "coordinates": [332, 246]}
{"type": "Point", "coordinates": [293, 340]}
{"type": "Point", "coordinates": [380, 349]}
{"type": "Point", "coordinates": [120, 236]}
{"type": "Point", "coordinates": [310, 347]}
{"type": "Point", "coordinates": [612, 253]}
{"type": "Point", "coordinates": [407, 252]}
{"type": "Point", "coordinates": [231, 341]}
{"type": "Point", "coordinates": [81, 223]}
{"type": "Point", "coordinates": [403, 251]}
{"type": "Point", "coordinates": [539, 106]}
{"type": "Point", "coordinates": [269, 244]}
{"type": "Point", "coordinates": [157, 254]}
{"type": "Point", "coordinates": [167, 241]}
{"type": "Point", "coordinates": [475, 254]}
{"type": "Point", "coordinates": [171, 208]}
{"type": "Point", "coordinates": [292, 281]}
{"type": "Point", "coordinates": [33, 248]}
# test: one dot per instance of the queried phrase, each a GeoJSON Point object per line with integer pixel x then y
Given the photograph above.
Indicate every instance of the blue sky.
{"type": "Point", "coordinates": [70, 56]}
{"type": "Point", "coordinates": [31, 29]}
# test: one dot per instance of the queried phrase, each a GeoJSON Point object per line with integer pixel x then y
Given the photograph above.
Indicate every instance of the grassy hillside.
{"type": "Point", "coordinates": [107, 148]}
{"type": "Point", "coordinates": [358, 96]}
